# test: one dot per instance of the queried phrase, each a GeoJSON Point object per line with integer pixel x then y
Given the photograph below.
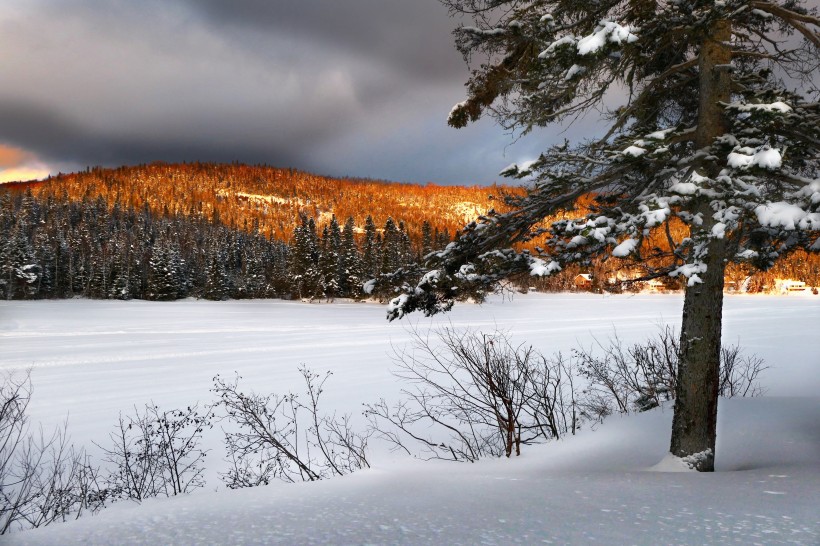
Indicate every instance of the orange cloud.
{"type": "Point", "coordinates": [12, 157]}
{"type": "Point", "coordinates": [23, 174]}
{"type": "Point", "coordinates": [17, 164]}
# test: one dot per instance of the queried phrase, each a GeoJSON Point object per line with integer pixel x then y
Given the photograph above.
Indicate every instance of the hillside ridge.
{"type": "Point", "coordinates": [270, 199]}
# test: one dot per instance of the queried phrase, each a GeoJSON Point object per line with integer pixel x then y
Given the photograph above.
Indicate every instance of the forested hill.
{"type": "Point", "coordinates": [233, 231]}
{"type": "Point", "coordinates": [269, 200]}
{"type": "Point", "coordinates": [164, 232]}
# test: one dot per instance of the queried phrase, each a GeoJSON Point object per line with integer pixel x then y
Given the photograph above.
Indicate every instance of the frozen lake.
{"type": "Point", "coordinates": [91, 360]}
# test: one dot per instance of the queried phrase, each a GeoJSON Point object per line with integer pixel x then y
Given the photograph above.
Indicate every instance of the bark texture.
{"type": "Point", "coordinates": [694, 425]}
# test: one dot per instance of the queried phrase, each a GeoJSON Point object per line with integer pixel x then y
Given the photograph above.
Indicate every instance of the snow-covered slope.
{"type": "Point", "coordinates": [95, 359]}
{"type": "Point", "coordinates": [591, 489]}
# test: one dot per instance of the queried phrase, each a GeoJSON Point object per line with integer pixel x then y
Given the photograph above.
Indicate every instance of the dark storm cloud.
{"type": "Point", "coordinates": [66, 141]}
{"type": "Point", "coordinates": [355, 87]}
{"type": "Point", "coordinates": [40, 128]}
{"type": "Point", "coordinates": [406, 35]}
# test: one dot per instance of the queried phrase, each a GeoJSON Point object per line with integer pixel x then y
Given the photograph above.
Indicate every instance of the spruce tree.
{"type": "Point", "coordinates": [163, 273]}
{"type": "Point", "coordinates": [20, 272]}
{"type": "Point", "coordinates": [329, 260]}
{"type": "Point", "coordinates": [714, 124]}
{"type": "Point", "coordinates": [217, 286]}
{"type": "Point", "coordinates": [391, 248]}
{"type": "Point", "coordinates": [253, 272]}
{"type": "Point", "coordinates": [304, 259]}
{"type": "Point", "coordinates": [405, 246]}
{"type": "Point", "coordinates": [277, 270]}
{"type": "Point", "coordinates": [442, 239]}
{"type": "Point", "coordinates": [6, 271]}
{"type": "Point", "coordinates": [98, 283]}
{"type": "Point", "coordinates": [6, 226]}
{"type": "Point", "coordinates": [120, 288]}
{"type": "Point", "coordinates": [370, 249]}
{"type": "Point", "coordinates": [426, 239]}
{"type": "Point", "coordinates": [46, 257]}
{"type": "Point", "coordinates": [350, 268]}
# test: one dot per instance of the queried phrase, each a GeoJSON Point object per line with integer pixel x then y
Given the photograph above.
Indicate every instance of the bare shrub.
{"type": "Point", "coordinates": [642, 376]}
{"type": "Point", "coordinates": [156, 453]}
{"type": "Point", "coordinates": [739, 373]}
{"type": "Point", "coordinates": [280, 437]}
{"type": "Point", "coordinates": [474, 395]}
{"type": "Point", "coordinates": [42, 477]}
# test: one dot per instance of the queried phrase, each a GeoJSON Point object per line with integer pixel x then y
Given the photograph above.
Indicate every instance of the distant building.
{"type": "Point", "coordinates": [656, 284]}
{"type": "Point", "coordinates": [583, 281]}
{"type": "Point", "coordinates": [784, 286]}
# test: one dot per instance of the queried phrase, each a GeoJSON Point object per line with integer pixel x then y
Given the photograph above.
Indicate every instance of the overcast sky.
{"type": "Point", "coordinates": [353, 87]}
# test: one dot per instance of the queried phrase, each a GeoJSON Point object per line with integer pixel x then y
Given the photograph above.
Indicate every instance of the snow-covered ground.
{"type": "Point", "coordinates": [95, 359]}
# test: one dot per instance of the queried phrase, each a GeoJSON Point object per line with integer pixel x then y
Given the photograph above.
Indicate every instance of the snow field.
{"type": "Point", "coordinates": [94, 359]}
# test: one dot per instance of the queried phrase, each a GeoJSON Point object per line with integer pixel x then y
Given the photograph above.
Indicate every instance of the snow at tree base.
{"type": "Point", "coordinates": [597, 487]}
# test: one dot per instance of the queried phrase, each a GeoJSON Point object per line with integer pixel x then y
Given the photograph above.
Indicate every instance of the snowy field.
{"type": "Point", "coordinates": [91, 360]}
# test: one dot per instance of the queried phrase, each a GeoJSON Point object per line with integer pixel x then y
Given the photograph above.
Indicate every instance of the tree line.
{"type": "Point", "coordinates": [62, 248]}
{"type": "Point", "coordinates": [56, 247]}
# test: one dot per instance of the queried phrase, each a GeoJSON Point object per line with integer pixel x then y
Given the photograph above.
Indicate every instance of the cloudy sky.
{"type": "Point", "coordinates": [353, 87]}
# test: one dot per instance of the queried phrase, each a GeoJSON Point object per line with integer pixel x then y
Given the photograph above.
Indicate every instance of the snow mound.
{"type": "Point", "coordinates": [671, 463]}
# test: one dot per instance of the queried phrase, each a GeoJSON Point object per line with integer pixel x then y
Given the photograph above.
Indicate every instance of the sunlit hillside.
{"type": "Point", "coordinates": [244, 196]}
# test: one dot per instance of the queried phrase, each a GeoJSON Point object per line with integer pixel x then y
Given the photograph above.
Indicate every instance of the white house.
{"type": "Point", "coordinates": [784, 286]}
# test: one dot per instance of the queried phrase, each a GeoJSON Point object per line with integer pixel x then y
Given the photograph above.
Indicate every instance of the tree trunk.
{"type": "Point", "coordinates": [695, 420]}
{"type": "Point", "coordinates": [696, 399]}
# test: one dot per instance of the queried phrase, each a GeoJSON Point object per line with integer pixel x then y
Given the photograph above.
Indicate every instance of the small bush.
{"type": "Point", "coordinates": [42, 477]}
{"type": "Point", "coordinates": [267, 440]}
{"type": "Point", "coordinates": [156, 453]}
{"type": "Point", "coordinates": [639, 377]}
{"type": "Point", "coordinates": [474, 395]}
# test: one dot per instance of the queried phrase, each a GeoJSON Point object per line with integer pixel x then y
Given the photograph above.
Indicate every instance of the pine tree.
{"type": "Point", "coordinates": [442, 239]}
{"type": "Point", "coordinates": [98, 283]}
{"type": "Point", "coordinates": [304, 259]}
{"type": "Point", "coordinates": [426, 239]}
{"type": "Point", "coordinates": [350, 267]}
{"type": "Point", "coordinates": [216, 284]}
{"type": "Point", "coordinates": [6, 271]}
{"type": "Point", "coordinates": [329, 260]}
{"type": "Point", "coordinates": [122, 266]}
{"type": "Point", "coordinates": [6, 227]}
{"type": "Point", "coordinates": [85, 249]}
{"type": "Point", "coordinates": [20, 270]}
{"type": "Point", "coordinates": [163, 273]}
{"type": "Point", "coordinates": [391, 248]}
{"type": "Point", "coordinates": [705, 133]}
{"type": "Point", "coordinates": [405, 246]}
{"type": "Point", "coordinates": [180, 268]}
{"type": "Point", "coordinates": [45, 256]}
{"type": "Point", "coordinates": [120, 288]}
{"type": "Point", "coordinates": [253, 277]}
{"type": "Point", "coordinates": [370, 249]}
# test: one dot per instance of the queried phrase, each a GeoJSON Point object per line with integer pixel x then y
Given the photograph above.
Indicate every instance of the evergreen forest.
{"type": "Point", "coordinates": [165, 232]}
